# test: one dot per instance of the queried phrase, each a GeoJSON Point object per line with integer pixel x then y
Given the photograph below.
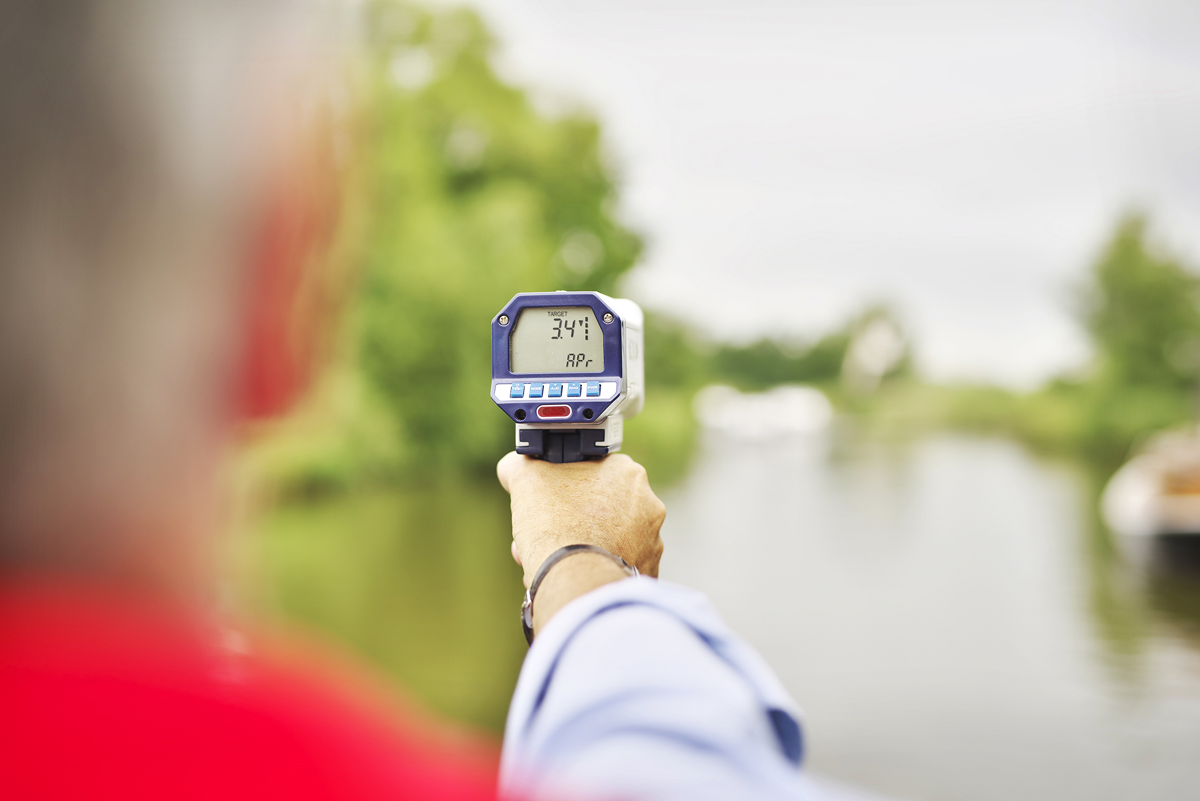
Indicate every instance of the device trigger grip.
{"type": "Point", "coordinates": [560, 447]}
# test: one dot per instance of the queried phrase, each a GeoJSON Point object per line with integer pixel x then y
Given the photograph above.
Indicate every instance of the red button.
{"type": "Point", "coordinates": [548, 412]}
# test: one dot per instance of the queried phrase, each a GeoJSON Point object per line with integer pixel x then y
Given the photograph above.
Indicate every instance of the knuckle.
{"type": "Point", "coordinates": [660, 509]}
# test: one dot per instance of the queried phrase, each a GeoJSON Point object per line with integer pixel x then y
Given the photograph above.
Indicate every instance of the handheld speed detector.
{"type": "Point", "coordinates": [568, 368]}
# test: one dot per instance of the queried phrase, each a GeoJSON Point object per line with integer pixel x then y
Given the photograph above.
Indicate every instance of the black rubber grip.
{"type": "Point", "coordinates": [561, 447]}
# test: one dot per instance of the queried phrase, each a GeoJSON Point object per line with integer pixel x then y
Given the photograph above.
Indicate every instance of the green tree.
{"type": "Point", "coordinates": [768, 362]}
{"type": "Point", "coordinates": [1141, 311]}
{"type": "Point", "coordinates": [474, 196]}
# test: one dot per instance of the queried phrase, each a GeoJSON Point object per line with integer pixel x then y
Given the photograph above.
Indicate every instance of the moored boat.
{"type": "Point", "coordinates": [1157, 492]}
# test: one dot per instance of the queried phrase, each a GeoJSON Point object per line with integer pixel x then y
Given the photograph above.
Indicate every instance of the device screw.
{"type": "Point", "coordinates": [608, 318]}
{"type": "Point", "coordinates": [504, 319]}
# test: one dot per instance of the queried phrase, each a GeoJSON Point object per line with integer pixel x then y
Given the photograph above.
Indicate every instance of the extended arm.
{"type": "Point", "coordinates": [633, 689]}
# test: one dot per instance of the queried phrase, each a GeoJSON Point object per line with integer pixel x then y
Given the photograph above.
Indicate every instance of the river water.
{"type": "Point", "coordinates": [949, 613]}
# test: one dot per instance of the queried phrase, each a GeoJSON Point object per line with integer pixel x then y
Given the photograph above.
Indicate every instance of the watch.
{"type": "Point", "coordinates": [551, 561]}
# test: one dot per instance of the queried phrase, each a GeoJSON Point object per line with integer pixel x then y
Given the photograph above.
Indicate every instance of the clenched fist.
{"type": "Point", "coordinates": [606, 502]}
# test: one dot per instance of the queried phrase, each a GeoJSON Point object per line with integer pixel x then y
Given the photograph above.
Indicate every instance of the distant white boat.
{"type": "Point", "coordinates": [1157, 491]}
{"type": "Point", "coordinates": [783, 410]}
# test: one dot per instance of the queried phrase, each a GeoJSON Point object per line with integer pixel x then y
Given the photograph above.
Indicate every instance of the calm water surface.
{"type": "Point", "coordinates": [950, 614]}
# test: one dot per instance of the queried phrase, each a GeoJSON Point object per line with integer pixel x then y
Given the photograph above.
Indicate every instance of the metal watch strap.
{"type": "Point", "coordinates": [551, 561]}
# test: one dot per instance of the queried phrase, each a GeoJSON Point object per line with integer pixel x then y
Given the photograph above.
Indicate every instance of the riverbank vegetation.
{"type": "Point", "coordinates": [1139, 306]}
{"type": "Point", "coordinates": [1138, 303]}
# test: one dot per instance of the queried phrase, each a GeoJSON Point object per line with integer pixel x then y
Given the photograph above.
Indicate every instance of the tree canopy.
{"type": "Point", "coordinates": [474, 196]}
{"type": "Point", "coordinates": [1141, 312]}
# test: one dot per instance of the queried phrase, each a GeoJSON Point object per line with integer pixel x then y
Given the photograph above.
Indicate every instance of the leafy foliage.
{"type": "Point", "coordinates": [768, 362]}
{"type": "Point", "coordinates": [1141, 312]}
{"type": "Point", "coordinates": [474, 196]}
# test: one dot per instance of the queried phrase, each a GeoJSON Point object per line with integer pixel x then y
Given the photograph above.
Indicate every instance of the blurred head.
{"type": "Point", "coordinates": [156, 208]}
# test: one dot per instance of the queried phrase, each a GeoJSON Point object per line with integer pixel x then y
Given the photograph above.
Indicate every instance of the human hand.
{"type": "Point", "coordinates": [605, 502]}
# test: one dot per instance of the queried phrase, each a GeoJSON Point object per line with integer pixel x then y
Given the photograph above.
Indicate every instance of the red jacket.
{"type": "Point", "coordinates": [103, 697]}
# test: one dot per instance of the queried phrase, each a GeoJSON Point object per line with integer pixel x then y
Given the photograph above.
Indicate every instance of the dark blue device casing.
{"type": "Point", "coordinates": [614, 364]}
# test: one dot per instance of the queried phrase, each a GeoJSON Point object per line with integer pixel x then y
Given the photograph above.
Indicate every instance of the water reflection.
{"type": "Point", "coordinates": [951, 614]}
{"type": "Point", "coordinates": [1168, 576]}
{"type": "Point", "coordinates": [417, 580]}
{"type": "Point", "coordinates": [1142, 587]}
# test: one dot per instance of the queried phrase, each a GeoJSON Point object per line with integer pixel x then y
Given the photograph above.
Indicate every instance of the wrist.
{"type": "Point", "coordinates": [571, 578]}
{"type": "Point", "coordinates": [538, 557]}
{"type": "Point", "coordinates": [554, 585]}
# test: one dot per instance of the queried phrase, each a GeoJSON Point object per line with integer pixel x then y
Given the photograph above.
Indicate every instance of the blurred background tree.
{"type": "Point", "coordinates": [1141, 312]}
{"type": "Point", "coordinates": [473, 196]}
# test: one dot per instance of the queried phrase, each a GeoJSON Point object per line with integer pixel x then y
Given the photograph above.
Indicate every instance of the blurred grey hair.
{"type": "Point", "coordinates": [127, 153]}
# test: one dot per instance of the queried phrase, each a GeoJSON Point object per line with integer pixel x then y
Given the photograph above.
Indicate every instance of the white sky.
{"type": "Point", "coordinates": [791, 161]}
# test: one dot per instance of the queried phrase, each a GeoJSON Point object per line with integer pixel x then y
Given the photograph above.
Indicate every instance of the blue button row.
{"type": "Point", "coordinates": [535, 390]}
{"type": "Point", "coordinates": [555, 391]}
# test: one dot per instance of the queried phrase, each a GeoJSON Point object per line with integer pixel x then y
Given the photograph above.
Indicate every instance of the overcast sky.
{"type": "Point", "coordinates": [792, 161]}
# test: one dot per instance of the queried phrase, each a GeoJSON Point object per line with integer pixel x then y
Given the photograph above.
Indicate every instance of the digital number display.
{"type": "Point", "coordinates": [556, 340]}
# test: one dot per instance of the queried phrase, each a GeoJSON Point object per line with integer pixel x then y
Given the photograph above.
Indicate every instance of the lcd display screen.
{"type": "Point", "coordinates": [556, 340]}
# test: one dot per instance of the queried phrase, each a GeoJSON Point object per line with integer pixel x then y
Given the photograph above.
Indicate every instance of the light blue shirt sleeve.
{"type": "Point", "coordinates": [638, 690]}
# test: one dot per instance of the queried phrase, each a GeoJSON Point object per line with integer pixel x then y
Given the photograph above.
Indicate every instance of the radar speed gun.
{"type": "Point", "coordinates": [568, 368]}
